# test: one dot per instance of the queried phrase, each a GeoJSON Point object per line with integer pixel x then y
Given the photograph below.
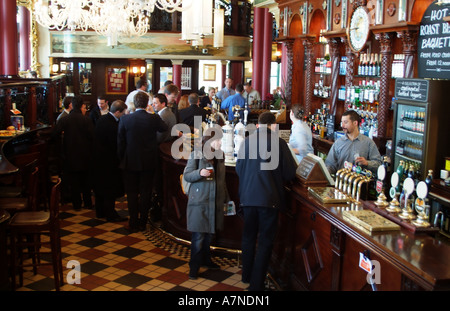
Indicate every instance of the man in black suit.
{"type": "Point", "coordinates": [67, 104]}
{"type": "Point", "coordinates": [187, 115]}
{"type": "Point", "coordinates": [138, 153]}
{"type": "Point", "coordinates": [159, 105]}
{"type": "Point", "coordinates": [100, 109]}
{"type": "Point", "coordinates": [77, 151]}
{"type": "Point", "coordinates": [108, 183]}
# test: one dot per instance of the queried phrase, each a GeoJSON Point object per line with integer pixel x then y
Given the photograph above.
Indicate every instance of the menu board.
{"type": "Point", "coordinates": [434, 42]}
{"type": "Point", "coordinates": [411, 89]}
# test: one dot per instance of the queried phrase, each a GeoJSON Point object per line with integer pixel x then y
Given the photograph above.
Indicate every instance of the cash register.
{"type": "Point", "coordinates": [312, 172]}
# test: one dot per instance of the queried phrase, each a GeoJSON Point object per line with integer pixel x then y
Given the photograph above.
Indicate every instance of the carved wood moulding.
{"type": "Point", "coordinates": [385, 76]}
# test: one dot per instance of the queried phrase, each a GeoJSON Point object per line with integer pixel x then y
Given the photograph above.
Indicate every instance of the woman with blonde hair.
{"type": "Point", "coordinates": [183, 103]}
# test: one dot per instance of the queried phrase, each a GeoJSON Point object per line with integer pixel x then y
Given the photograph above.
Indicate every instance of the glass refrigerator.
{"type": "Point", "coordinates": [421, 136]}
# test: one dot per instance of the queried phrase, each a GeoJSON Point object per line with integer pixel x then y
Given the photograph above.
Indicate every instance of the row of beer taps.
{"type": "Point", "coordinates": [350, 183]}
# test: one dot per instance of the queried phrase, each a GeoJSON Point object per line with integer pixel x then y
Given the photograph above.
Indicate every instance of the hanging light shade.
{"type": "Point", "coordinates": [219, 21]}
{"type": "Point", "coordinates": [203, 10]}
{"type": "Point", "coordinates": [187, 23]}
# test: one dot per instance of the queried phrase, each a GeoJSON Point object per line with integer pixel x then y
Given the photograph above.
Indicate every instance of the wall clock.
{"type": "Point", "coordinates": [358, 29]}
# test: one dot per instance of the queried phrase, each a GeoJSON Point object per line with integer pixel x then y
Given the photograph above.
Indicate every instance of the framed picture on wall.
{"type": "Point", "coordinates": [209, 72]}
{"type": "Point", "coordinates": [116, 80]}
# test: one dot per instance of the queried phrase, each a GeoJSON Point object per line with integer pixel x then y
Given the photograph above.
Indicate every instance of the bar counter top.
{"type": "Point", "coordinates": [316, 247]}
{"type": "Point", "coordinates": [14, 144]}
{"type": "Point", "coordinates": [422, 256]}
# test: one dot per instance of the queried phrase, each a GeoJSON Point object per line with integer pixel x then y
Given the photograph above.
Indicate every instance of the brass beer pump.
{"type": "Point", "coordinates": [407, 212]}
{"type": "Point", "coordinates": [381, 200]}
{"type": "Point", "coordinates": [394, 205]}
{"type": "Point", "coordinates": [420, 206]}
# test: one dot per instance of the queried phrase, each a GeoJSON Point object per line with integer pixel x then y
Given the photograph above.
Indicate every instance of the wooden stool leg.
{"type": "Point", "coordinates": [60, 260]}
{"type": "Point", "coordinates": [13, 260]}
{"type": "Point", "coordinates": [54, 250]}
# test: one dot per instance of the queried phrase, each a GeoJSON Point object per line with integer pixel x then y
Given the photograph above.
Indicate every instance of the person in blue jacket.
{"type": "Point", "coordinates": [234, 100]}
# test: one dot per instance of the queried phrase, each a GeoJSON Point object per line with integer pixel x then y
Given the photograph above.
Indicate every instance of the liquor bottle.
{"type": "Point", "coordinates": [378, 65]}
{"type": "Point", "coordinates": [360, 66]}
{"type": "Point", "coordinates": [371, 66]}
{"type": "Point", "coordinates": [411, 172]}
{"type": "Point", "coordinates": [365, 65]}
{"type": "Point", "coordinates": [429, 179]}
{"type": "Point", "coordinates": [400, 148]}
{"type": "Point", "coordinates": [400, 175]}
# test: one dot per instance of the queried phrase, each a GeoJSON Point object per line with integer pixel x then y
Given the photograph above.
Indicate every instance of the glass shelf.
{"type": "Point", "coordinates": [410, 132]}
{"type": "Point", "coordinates": [408, 158]}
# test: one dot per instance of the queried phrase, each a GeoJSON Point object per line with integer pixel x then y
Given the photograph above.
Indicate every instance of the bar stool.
{"type": "Point", "coordinates": [35, 224]}
{"type": "Point", "coordinates": [17, 187]}
{"type": "Point", "coordinates": [27, 202]}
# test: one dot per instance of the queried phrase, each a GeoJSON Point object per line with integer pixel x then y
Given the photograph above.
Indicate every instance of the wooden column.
{"type": "Point", "coordinates": [258, 48]}
{"type": "Point", "coordinates": [385, 76]}
{"type": "Point", "coordinates": [308, 44]}
{"type": "Point", "coordinates": [32, 109]}
{"type": "Point", "coordinates": [287, 64]}
{"type": "Point", "coordinates": [25, 43]}
{"type": "Point", "coordinates": [8, 38]}
{"type": "Point", "coordinates": [1, 44]}
{"type": "Point", "coordinates": [224, 72]}
{"type": "Point", "coordinates": [350, 66]}
{"type": "Point", "coordinates": [267, 54]}
{"type": "Point", "coordinates": [7, 107]}
{"type": "Point", "coordinates": [334, 54]}
{"type": "Point", "coordinates": [177, 74]}
{"type": "Point", "coordinates": [409, 40]}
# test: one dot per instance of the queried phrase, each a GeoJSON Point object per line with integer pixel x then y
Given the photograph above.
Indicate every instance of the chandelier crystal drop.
{"type": "Point", "coordinates": [61, 14]}
{"type": "Point", "coordinates": [170, 5]}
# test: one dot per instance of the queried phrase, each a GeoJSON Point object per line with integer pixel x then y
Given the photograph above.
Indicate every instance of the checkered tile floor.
{"type": "Point", "coordinates": [111, 259]}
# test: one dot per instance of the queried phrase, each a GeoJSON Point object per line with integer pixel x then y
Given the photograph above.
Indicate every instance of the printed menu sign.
{"type": "Point", "coordinates": [434, 42]}
{"type": "Point", "coordinates": [411, 89]}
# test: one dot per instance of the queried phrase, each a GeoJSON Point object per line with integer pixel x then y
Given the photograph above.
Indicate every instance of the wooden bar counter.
{"type": "Point", "coordinates": [316, 248]}
{"type": "Point", "coordinates": [18, 144]}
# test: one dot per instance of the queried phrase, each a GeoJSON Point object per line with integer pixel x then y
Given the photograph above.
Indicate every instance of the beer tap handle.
{"type": "Point", "coordinates": [338, 177]}
{"type": "Point", "coordinates": [355, 185]}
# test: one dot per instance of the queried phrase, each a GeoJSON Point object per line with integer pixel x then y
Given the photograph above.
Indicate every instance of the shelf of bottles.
{"type": "Point", "coordinates": [321, 90]}
{"type": "Point", "coordinates": [369, 65]}
{"type": "Point", "coordinates": [363, 98]}
{"type": "Point", "coordinates": [318, 121]}
{"type": "Point", "coordinates": [323, 65]}
{"type": "Point", "coordinates": [410, 135]}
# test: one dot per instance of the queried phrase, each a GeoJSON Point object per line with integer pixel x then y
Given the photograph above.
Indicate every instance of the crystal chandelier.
{"type": "Point", "coordinates": [110, 18]}
{"type": "Point", "coordinates": [114, 18]}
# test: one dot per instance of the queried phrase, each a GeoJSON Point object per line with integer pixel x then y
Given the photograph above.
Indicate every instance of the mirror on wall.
{"type": "Point", "coordinates": [67, 69]}
{"type": "Point", "coordinates": [85, 73]}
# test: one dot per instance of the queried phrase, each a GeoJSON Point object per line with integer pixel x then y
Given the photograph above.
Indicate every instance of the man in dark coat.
{"type": "Point", "coordinates": [187, 115]}
{"type": "Point", "coordinates": [262, 172]}
{"type": "Point", "coordinates": [108, 183]}
{"type": "Point", "coordinates": [137, 147]}
{"type": "Point", "coordinates": [100, 109]}
{"type": "Point", "coordinates": [78, 134]}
